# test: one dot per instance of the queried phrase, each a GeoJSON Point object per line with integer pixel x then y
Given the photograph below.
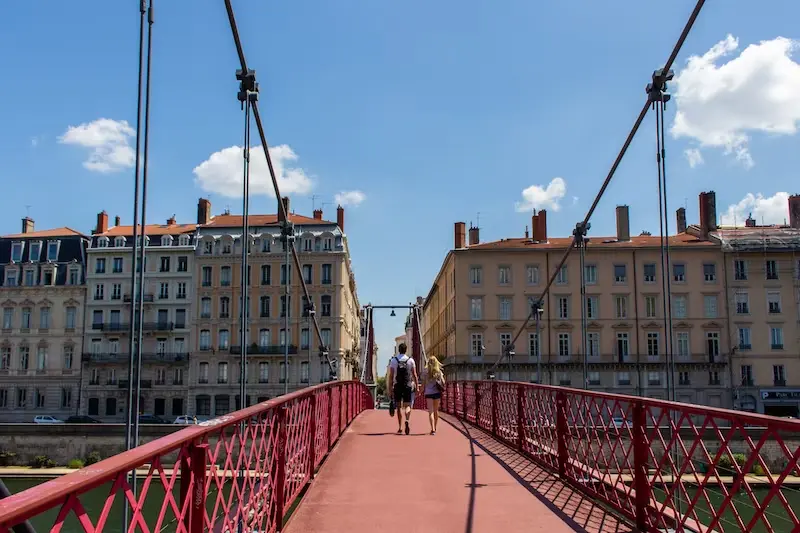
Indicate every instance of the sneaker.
{"type": "Point", "coordinates": [408, 429]}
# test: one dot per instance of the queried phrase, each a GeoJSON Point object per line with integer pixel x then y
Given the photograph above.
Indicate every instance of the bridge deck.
{"type": "Point", "coordinates": [458, 480]}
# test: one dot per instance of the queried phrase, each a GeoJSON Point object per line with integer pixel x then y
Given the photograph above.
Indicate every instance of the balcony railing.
{"type": "Point", "coordinates": [147, 298]}
{"type": "Point", "coordinates": [147, 357]}
{"type": "Point", "coordinates": [274, 349]}
{"type": "Point", "coordinates": [146, 384]}
{"type": "Point", "coordinates": [124, 327]}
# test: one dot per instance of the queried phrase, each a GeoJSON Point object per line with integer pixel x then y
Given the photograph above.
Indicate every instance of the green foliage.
{"type": "Point", "coordinates": [7, 458]}
{"type": "Point", "coordinates": [42, 461]}
{"type": "Point", "coordinates": [725, 464]}
{"type": "Point", "coordinates": [381, 386]}
{"type": "Point", "coordinates": [75, 463]}
{"type": "Point", "coordinates": [92, 458]}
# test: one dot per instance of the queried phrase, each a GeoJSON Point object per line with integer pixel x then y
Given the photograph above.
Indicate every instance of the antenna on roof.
{"type": "Point", "coordinates": [314, 201]}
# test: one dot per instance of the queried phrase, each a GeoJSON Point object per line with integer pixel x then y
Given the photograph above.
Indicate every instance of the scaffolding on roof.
{"type": "Point", "coordinates": [758, 239]}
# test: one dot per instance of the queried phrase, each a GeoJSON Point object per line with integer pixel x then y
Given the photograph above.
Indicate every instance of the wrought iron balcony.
{"type": "Point", "coordinates": [123, 327]}
{"type": "Point", "coordinates": [255, 349]}
{"type": "Point", "coordinates": [147, 357]}
{"type": "Point", "coordinates": [149, 298]}
{"type": "Point", "coordinates": [146, 384]}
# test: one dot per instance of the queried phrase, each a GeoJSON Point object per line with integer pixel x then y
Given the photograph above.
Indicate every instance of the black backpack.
{"type": "Point", "coordinates": [403, 378]}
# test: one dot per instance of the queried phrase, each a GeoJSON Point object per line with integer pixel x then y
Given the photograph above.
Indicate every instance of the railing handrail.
{"type": "Point", "coordinates": [53, 492]}
{"type": "Point", "coordinates": [773, 422]}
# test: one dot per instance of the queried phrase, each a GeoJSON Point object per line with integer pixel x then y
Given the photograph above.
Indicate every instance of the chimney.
{"type": "Point", "coordinates": [708, 213]}
{"type": "Point", "coordinates": [102, 222]}
{"type": "Point", "coordinates": [750, 222]}
{"type": "Point", "coordinates": [794, 211]}
{"type": "Point", "coordinates": [460, 236]}
{"type": "Point", "coordinates": [117, 221]}
{"type": "Point", "coordinates": [541, 230]}
{"type": "Point", "coordinates": [317, 214]}
{"type": "Point", "coordinates": [27, 225]}
{"type": "Point", "coordinates": [340, 217]}
{"type": "Point", "coordinates": [623, 224]}
{"type": "Point", "coordinates": [171, 221]}
{"type": "Point", "coordinates": [680, 215]}
{"type": "Point", "coordinates": [285, 202]}
{"type": "Point", "coordinates": [203, 211]}
{"type": "Point", "coordinates": [474, 235]}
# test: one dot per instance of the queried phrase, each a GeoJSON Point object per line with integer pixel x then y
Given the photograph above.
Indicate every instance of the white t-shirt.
{"type": "Point", "coordinates": [393, 362]}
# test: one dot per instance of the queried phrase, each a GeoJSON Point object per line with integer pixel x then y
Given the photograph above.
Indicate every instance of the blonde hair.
{"type": "Point", "coordinates": [434, 368]}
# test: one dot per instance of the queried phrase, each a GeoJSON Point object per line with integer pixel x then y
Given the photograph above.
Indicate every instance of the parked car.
{"type": "Point", "coordinates": [82, 419]}
{"type": "Point", "coordinates": [46, 419]}
{"type": "Point", "coordinates": [152, 419]}
{"type": "Point", "coordinates": [185, 420]}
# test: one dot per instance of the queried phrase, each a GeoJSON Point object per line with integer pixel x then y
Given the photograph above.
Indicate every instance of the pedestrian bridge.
{"type": "Point", "coordinates": [507, 457]}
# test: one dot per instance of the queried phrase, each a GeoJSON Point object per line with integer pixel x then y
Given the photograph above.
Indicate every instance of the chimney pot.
{"type": "Point", "coordinates": [203, 211]}
{"type": "Point", "coordinates": [708, 213]}
{"type": "Point", "coordinates": [623, 224]}
{"type": "Point", "coordinates": [171, 221]}
{"type": "Point", "coordinates": [541, 234]}
{"type": "Point", "coordinates": [27, 225]}
{"type": "Point", "coordinates": [102, 222]}
{"type": "Point", "coordinates": [794, 211]}
{"type": "Point", "coordinates": [340, 217]}
{"type": "Point", "coordinates": [474, 236]}
{"type": "Point", "coordinates": [117, 221]}
{"type": "Point", "coordinates": [460, 235]}
{"type": "Point", "coordinates": [317, 214]}
{"type": "Point", "coordinates": [750, 222]}
{"type": "Point", "coordinates": [680, 216]}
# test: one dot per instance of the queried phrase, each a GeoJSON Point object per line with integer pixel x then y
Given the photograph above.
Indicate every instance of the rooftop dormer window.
{"type": "Point", "coordinates": [208, 247]}
{"type": "Point", "coordinates": [35, 252]}
{"type": "Point", "coordinates": [139, 240]}
{"type": "Point", "coordinates": [119, 242]}
{"type": "Point", "coordinates": [52, 251]}
{"type": "Point", "coordinates": [16, 251]}
{"type": "Point", "coordinates": [166, 240]}
{"type": "Point", "coordinates": [227, 248]}
{"type": "Point", "coordinates": [102, 242]}
{"type": "Point", "coordinates": [183, 240]}
{"type": "Point", "coordinates": [266, 242]}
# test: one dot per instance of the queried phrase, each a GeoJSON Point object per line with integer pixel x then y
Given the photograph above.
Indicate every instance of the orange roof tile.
{"type": "Point", "coordinates": [151, 230]}
{"type": "Point", "coordinates": [56, 232]}
{"type": "Point", "coordinates": [640, 241]}
{"type": "Point", "coordinates": [232, 221]}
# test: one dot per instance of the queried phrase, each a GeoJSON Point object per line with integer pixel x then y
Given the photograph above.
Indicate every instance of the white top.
{"type": "Point", "coordinates": [393, 362]}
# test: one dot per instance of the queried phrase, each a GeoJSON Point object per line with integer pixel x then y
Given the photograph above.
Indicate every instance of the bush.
{"type": "Point", "coordinates": [75, 463]}
{"type": "Point", "coordinates": [7, 458]}
{"type": "Point", "coordinates": [42, 461]}
{"type": "Point", "coordinates": [725, 465]}
{"type": "Point", "coordinates": [758, 470]}
{"type": "Point", "coordinates": [92, 458]}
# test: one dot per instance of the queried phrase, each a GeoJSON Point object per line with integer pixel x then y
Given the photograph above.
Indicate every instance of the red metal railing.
{"type": "Point", "coordinates": [246, 468]}
{"type": "Point", "coordinates": [664, 465]}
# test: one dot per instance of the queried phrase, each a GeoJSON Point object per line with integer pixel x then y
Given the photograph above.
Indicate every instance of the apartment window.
{"type": "Point", "coordinates": [590, 274]}
{"type": "Point", "coordinates": [475, 275]}
{"type": "Point", "coordinates": [224, 339]}
{"type": "Point", "coordinates": [286, 310]}
{"type": "Point", "coordinates": [35, 251]}
{"type": "Point", "coordinates": [284, 374]}
{"type": "Point", "coordinates": [180, 318]}
{"type": "Point", "coordinates": [181, 293]}
{"type": "Point", "coordinates": [504, 275]}
{"type": "Point", "coordinates": [740, 270]}
{"type": "Point", "coordinates": [52, 251]}
{"type": "Point", "coordinates": [713, 378]}
{"type": "Point", "coordinates": [8, 318]}
{"type": "Point", "coordinates": [266, 275]}
{"type": "Point", "coordinates": [476, 345]}
{"type": "Point", "coordinates": [308, 304]}
{"type": "Point", "coordinates": [263, 338]}
{"type": "Point", "coordinates": [74, 276]}
{"type": "Point", "coordinates": [747, 375]}
{"type": "Point", "coordinates": [100, 265]}
{"type": "Point", "coordinates": [5, 357]}
{"type": "Point", "coordinates": [654, 378]}
{"type": "Point", "coordinates": [163, 291]}
{"type": "Point", "coordinates": [304, 372]}
{"type": "Point", "coordinates": [623, 378]}
{"type": "Point", "coordinates": [225, 276]}
{"type": "Point", "coordinates": [678, 272]}
{"type": "Point", "coordinates": [650, 303]}
{"type": "Point", "coordinates": [620, 274]}
{"type": "Point", "coordinates": [683, 378]}
{"type": "Point", "coordinates": [222, 372]}
{"type": "Point", "coordinates": [282, 337]}
{"type": "Point", "coordinates": [205, 339]}
{"type": "Point", "coordinates": [476, 308]}
{"type": "Point", "coordinates": [116, 291]}
{"type": "Point", "coordinates": [16, 252]}
{"type": "Point", "coordinates": [205, 308]}
{"type": "Point", "coordinates": [742, 303]}
{"type": "Point", "coordinates": [623, 346]}
{"type": "Point", "coordinates": [41, 358]}
{"type": "Point", "coordinates": [26, 318]}
{"type": "Point", "coordinates": [563, 345]}
{"type": "Point", "coordinates": [533, 345]}
{"type": "Point", "coordinates": [593, 344]}
{"type": "Point", "coordinates": [621, 307]}
{"type": "Point", "coordinates": [326, 337]}
{"type": "Point", "coordinates": [224, 307]}
{"type": "Point", "coordinates": [532, 275]}
{"type": "Point", "coordinates": [206, 276]}
{"type": "Point", "coordinates": [562, 278]}
{"type": "Point", "coordinates": [183, 263]}
{"type": "Point", "coordinates": [709, 272]}
{"type": "Point", "coordinates": [650, 273]}
{"type": "Point", "coordinates": [164, 267]}
{"type": "Point", "coordinates": [779, 375]}
{"type": "Point", "coordinates": [29, 281]}
{"type": "Point", "coordinates": [308, 273]}
{"type": "Point", "coordinates": [24, 357]}
{"type": "Point", "coordinates": [771, 269]}
{"type": "Point", "coordinates": [202, 374]}
{"type": "Point", "coordinates": [776, 338]}
{"type": "Point", "coordinates": [99, 290]}
{"type": "Point", "coordinates": [774, 302]}
{"type": "Point", "coordinates": [304, 338]}
{"type": "Point", "coordinates": [327, 274]}
{"type": "Point", "coordinates": [263, 372]}
{"type": "Point", "coordinates": [712, 345]}
{"type": "Point", "coordinates": [11, 279]}
{"type": "Point", "coordinates": [563, 307]}
{"type": "Point", "coordinates": [710, 306]}
{"type": "Point", "coordinates": [652, 344]}
{"type": "Point", "coordinates": [44, 318]}
{"type": "Point", "coordinates": [505, 308]}
{"type": "Point", "coordinates": [264, 305]}
{"type": "Point", "coordinates": [682, 344]}
{"type": "Point", "coordinates": [326, 305]}
{"type": "Point", "coordinates": [505, 340]}
{"type": "Point", "coordinates": [592, 307]}
{"type": "Point", "coordinates": [744, 339]}
{"type": "Point", "coordinates": [116, 265]}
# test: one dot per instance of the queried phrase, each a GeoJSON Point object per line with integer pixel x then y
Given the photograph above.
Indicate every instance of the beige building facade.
{"type": "Point", "coordinates": [169, 291]}
{"type": "Point", "coordinates": [326, 268]}
{"type": "Point", "coordinates": [42, 290]}
{"type": "Point", "coordinates": [484, 291]}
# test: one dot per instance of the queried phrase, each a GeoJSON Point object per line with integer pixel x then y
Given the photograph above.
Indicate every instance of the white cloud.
{"type": "Point", "coordinates": [108, 141]}
{"type": "Point", "coordinates": [352, 198]}
{"type": "Point", "coordinates": [538, 197]}
{"type": "Point", "coordinates": [221, 173]}
{"type": "Point", "coordinates": [771, 210]}
{"type": "Point", "coordinates": [758, 91]}
{"type": "Point", "coordinates": [694, 157]}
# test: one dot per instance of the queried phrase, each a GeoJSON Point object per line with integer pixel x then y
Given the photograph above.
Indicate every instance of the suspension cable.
{"type": "Point", "coordinates": [637, 123]}
{"type": "Point", "coordinates": [245, 283]}
{"type": "Point", "coordinates": [282, 211]}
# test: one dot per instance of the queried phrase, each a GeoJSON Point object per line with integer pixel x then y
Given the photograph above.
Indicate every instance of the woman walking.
{"type": "Point", "coordinates": [434, 386]}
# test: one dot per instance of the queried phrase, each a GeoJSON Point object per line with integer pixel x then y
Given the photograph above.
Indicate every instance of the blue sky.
{"type": "Point", "coordinates": [435, 111]}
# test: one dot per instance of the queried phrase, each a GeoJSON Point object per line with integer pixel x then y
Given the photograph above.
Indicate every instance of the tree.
{"type": "Point", "coordinates": [381, 388]}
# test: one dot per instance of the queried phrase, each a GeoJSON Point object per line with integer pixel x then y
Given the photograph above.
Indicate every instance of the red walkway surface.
{"type": "Point", "coordinates": [459, 480]}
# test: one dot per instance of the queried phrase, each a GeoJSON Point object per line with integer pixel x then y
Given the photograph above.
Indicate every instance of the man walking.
{"type": "Point", "coordinates": [404, 382]}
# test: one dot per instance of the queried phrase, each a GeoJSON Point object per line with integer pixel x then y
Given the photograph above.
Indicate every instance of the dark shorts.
{"type": "Point", "coordinates": [402, 394]}
{"type": "Point", "coordinates": [434, 396]}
